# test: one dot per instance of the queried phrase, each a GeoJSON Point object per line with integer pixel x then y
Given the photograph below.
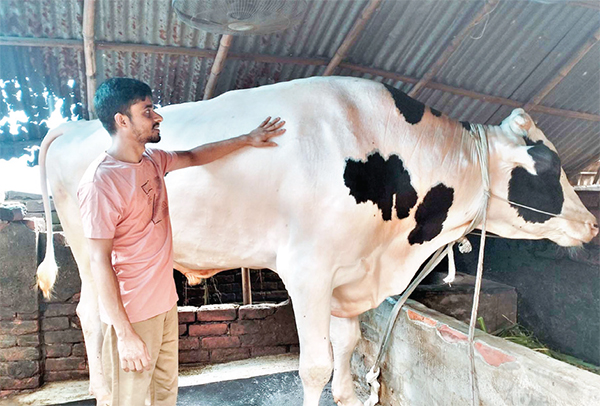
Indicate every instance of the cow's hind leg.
{"type": "Point", "coordinates": [311, 298]}
{"type": "Point", "coordinates": [344, 336]}
{"type": "Point", "coordinates": [87, 309]}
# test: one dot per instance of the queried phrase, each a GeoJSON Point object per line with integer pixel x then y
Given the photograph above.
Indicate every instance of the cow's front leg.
{"type": "Point", "coordinates": [344, 337]}
{"type": "Point", "coordinates": [311, 300]}
{"type": "Point", "coordinates": [89, 316]}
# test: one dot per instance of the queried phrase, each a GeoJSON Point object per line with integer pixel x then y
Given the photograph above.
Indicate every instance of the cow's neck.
{"type": "Point", "coordinates": [459, 167]}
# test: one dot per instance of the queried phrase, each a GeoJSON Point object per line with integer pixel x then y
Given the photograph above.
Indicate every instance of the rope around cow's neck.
{"type": "Point", "coordinates": [480, 140]}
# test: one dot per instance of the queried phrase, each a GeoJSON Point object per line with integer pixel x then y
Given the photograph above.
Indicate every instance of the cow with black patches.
{"type": "Point", "coordinates": [365, 185]}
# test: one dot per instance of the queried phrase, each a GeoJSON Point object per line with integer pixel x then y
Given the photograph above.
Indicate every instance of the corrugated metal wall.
{"type": "Point", "coordinates": [513, 53]}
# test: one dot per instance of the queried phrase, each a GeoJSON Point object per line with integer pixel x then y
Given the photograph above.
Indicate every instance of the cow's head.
{"type": "Point", "coordinates": [525, 169]}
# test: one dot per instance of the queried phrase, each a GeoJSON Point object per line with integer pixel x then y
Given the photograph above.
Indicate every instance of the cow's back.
{"type": "Point", "coordinates": [243, 209]}
{"type": "Point", "coordinates": [249, 207]}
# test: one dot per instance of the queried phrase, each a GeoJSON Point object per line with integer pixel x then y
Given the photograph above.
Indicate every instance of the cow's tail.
{"type": "Point", "coordinates": [47, 271]}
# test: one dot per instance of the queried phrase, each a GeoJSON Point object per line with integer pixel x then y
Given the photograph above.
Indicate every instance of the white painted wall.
{"type": "Point", "coordinates": [427, 365]}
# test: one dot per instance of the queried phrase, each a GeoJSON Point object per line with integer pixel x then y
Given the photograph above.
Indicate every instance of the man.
{"type": "Point", "coordinates": [124, 209]}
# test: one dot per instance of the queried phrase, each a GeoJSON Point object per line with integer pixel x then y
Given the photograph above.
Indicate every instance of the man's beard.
{"type": "Point", "coordinates": [153, 139]}
{"type": "Point", "coordinates": [150, 139]}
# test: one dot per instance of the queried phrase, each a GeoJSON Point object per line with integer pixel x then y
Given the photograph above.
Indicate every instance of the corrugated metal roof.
{"type": "Point", "coordinates": [513, 53]}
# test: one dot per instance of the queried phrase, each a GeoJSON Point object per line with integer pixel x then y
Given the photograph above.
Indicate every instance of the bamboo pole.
{"type": "Point", "coordinates": [589, 44]}
{"type": "Point", "coordinates": [246, 286]}
{"type": "Point", "coordinates": [89, 51]}
{"type": "Point", "coordinates": [40, 42]}
{"type": "Point", "coordinates": [435, 68]}
{"type": "Point", "coordinates": [217, 67]}
{"type": "Point", "coordinates": [205, 53]}
{"type": "Point", "coordinates": [353, 34]}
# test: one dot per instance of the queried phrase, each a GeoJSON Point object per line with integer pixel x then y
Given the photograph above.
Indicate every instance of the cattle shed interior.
{"type": "Point", "coordinates": [474, 60]}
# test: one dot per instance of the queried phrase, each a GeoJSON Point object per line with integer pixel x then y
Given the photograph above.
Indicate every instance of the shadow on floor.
{"type": "Point", "coordinates": [271, 390]}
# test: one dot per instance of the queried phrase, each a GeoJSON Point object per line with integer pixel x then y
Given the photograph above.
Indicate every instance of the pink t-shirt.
{"type": "Point", "coordinates": [127, 202]}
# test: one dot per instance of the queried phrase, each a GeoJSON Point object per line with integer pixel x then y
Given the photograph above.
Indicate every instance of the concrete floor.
{"type": "Point", "coordinates": [264, 381]}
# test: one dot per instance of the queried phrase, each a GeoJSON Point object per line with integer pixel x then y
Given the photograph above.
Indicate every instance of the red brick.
{"type": "Point", "coordinates": [193, 357]}
{"type": "Point", "coordinates": [229, 354]}
{"type": "Point", "coordinates": [55, 323]}
{"type": "Point", "coordinates": [7, 341]}
{"type": "Point", "coordinates": [65, 336]}
{"type": "Point", "coordinates": [58, 350]}
{"type": "Point", "coordinates": [28, 316]}
{"type": "Point", "coordinates": [220, 342]}
{"type": "Point", "coordinates": [262, 351]}
{"type": "Point", "coordinates": [27, 383]}
{"type": "Point", "coordinates": [182, 329]}
{"type": "Point", "coordinates": [250, 312]}
{"type": "Point", "coordinates": [189, 343]}
{"type": "Point", "coordinates": [204, 330]}
{"type": "Point", "coordinates": [7, 314]}
{"type": "Point", "coordinates": [79, 350]}
{"type": "Point", "coordinates": [19, 354]}
{"type": "Point", "coordinates": [19, 327]}
{"type": "Point", "coordinates": [19, 369]}
{"type": "Point", "coordinates": [187, 314]}
{"type": "Point", "coordinates": [54, 376]}
{"type": "Point", "coordinates": [76, 297]}
{"type": "Point", "coordinates": [32, 340]}
{"type": "Point", "coordinates": [218, 312]}
{"type": "Point", "coordinates": [245, 327]}
{"type": "Point", "coordinates": [60, 309]}
{"type": "Point", "coordinates": [295, 349]}
{"type": "Point", "coordinates": [65, 364]}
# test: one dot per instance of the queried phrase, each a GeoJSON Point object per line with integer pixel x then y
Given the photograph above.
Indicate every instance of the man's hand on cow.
{"type": "Point", "coordinates": [133, 353]}
{"type": "Point", "coordinates": [261, 135]}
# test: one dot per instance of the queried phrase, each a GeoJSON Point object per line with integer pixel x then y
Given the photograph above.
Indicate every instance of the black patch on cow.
{"type": "Point", "coordinates": [466, 125]}
{"type": "Point", "coordinates": [435, 112]}
{"type": "Point", "coordinates": [542, 191]}
{"type": "Point", "coordinates": [378, 180]}
{"type": "Point", "coordinates": [411, 109]}
{"type": "Point", "coordinates": [431, 214]}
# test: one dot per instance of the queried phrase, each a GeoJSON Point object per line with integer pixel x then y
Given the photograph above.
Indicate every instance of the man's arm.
{"type": "Point", "coordinates": [260, 137]}
{"type": "Point", "coordinates": [133, 353]}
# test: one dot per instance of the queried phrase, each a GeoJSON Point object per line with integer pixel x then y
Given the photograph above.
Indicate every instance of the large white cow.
{"type": "Point", "coordinates": [364, 186]}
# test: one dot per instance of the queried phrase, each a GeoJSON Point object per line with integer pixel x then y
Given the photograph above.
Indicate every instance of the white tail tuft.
{"type": "Point", "coordinates": [46, 275]}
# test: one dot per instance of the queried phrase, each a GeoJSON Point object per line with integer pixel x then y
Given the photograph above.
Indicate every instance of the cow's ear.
{"type": "Point", "coordinates": [520, 122]}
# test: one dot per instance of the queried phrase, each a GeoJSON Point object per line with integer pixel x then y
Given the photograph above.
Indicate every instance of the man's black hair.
{"type": "Point", "coordinates": [116, 95]}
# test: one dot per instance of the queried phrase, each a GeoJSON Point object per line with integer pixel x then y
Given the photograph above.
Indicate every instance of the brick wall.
{"type": "Point", "coordinates": [220, 333]}
{"type": "Point", "coordinates": [20, 352]}
{"type": "Point", "coordinates": [41, 340]}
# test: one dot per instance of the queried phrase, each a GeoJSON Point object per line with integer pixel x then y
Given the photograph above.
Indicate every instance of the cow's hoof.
{"type": "Point", "coordinates": [102, 397]}
{"type": "Point", "coordinates": [348, 402]}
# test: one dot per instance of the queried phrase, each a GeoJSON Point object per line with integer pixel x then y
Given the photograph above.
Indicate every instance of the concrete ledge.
{"type": "Point", "coordinates": [427, 364]}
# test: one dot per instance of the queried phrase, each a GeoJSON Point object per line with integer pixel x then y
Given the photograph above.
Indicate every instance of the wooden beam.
{"type": "Point", "coordinates": [473, 95]}
{"type": "Point", "coordinates": [589, 44]}
{"type": "Point", "coordinates": [206, 53]}
{"type": "Point", "coordinates": [40, 42]}
{"type": "Point", "coordinates": [246, 286]}
{"type": "Point", "coordinates": [155, 49]}
{"type": "Point", "coordinates": [89, 51]}
{"type": "Point", "coordinates": [351, 37]}
{"type": "Point", "coordinates": [458, 39]}
{"type": "Point", "coordinates": [217, 66]}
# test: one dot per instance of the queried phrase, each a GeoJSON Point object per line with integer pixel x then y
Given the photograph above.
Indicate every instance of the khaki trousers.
{"type": "Point", "coordinates": [159, 384]}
